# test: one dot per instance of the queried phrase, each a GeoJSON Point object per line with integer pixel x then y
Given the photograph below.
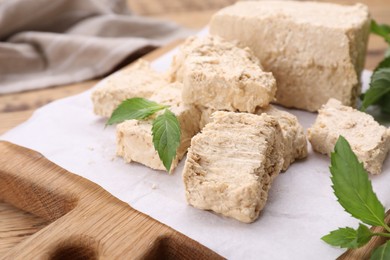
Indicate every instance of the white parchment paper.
{"type": "Point", "coordinates": [300, 210]}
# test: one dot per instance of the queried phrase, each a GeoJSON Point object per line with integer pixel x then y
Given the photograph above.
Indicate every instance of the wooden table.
{"type": "Point", "coordinates": [16, 225]}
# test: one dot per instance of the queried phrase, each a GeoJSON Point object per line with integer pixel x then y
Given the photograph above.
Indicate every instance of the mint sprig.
{"type": "Point", "coordinates": [354, 192]}
{"type": "Point", "coordinates": [379, 91]}
{"type": "Point", "coordinates": [165, 127]}
{"type": "Point", "coordinates": [348, 237]}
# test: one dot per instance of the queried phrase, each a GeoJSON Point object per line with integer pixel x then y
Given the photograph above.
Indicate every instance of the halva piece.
{"type": "Point", "coordinates": [231, 164]}
{"type": "Point", "coordinates": [217, 74]}
{"type": "Point", "coordinates": [138, 80]}
{"type": "Point", "coordinates": [316, 51]}
{"type": "Point", "coordinates": [205, 116]}
{"type": "Point", "coordinates": [369, 140]}
{"type": "Point", "coordinates": [294, 137]}
{"type": "Point", "coordinates": [134, 137]}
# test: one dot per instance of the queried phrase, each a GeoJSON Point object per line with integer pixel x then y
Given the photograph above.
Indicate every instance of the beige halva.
{"type": "Point", "coordinates": [316, 51]}
{"type": "Point", "coordinates": [369, 140]}
{"type": "Point", "coordinates": [233, 155]}
{"type": "Point", "coordinates": [231, 164]}
{"type": "Point", "coordinates": [294, 138]}
{"type": "Point", "coordinates": [217, 74]}
{"type": "Point", "coordinates": [138, 80]}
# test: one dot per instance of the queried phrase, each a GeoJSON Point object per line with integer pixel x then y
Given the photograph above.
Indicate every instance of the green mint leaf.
{"type": "Point", "coordinates": [382, 30]}
{"type": "Point", "coordinates": [134, 108]}
{"type": "Point", "coordinates": [364, 235]}
{"type": "Point", "coordinates": [166, 137]}
{"type": "Point", "coordinates": [352, 187]}
{"type": "Point", "coordinates": [382, 252]}
{"type": "Point", "coordinates": [384, 103]}
{"type": "Point", "coordinates": [379, 88]}
{"type": "Point", "coordinates": [342, 237]}
{"type": "Point", "coordinates": [348, 237]}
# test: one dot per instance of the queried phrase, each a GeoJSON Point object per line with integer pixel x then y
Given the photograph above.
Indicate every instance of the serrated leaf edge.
{"type": "Point", "coordinates": [381, 222]}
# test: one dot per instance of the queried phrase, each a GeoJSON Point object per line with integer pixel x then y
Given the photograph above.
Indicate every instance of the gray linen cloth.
{"type": "Point", "coordinates": [46, 43]}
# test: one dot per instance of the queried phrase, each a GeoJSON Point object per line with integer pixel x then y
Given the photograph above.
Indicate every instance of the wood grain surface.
{"type": "Point", "coordinates": [86, 222]}
{"type": "Point", "coordinates": [17, 225]}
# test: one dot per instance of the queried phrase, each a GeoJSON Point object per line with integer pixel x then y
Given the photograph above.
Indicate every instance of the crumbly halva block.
{"type": "Point", "coordinates": [217, 74]}
{"type": "Point", "coordinates": [205, 116]}
{"type": "Point", "coordinates": [134, 137]}
{"type": "Point", "coordinates": [138, 80]}
{"type": "Point", "coordinates": [369, 140]}
{"type": "Point", "coordinates": [294, 137]}
{"type": "Point", "coordinates": [316, 51]}
{"type": "Point", "coordinates": [231, 164]}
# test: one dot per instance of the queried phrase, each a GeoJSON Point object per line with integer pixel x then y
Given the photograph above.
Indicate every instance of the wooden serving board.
{"type": "Point", "coordinates": [85, 221]}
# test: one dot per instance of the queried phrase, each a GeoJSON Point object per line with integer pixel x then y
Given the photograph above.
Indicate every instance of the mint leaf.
{"type": "Point", "coordinates": [134, 108]}
{"type": "Point", "coordinates": [364, 235]}
{"type": "Point", "coordinates": [382, 252]}
{"type": "Point", "coordinates": [342, 237]}
{"type": "Point", "coordinates": [379, 89]}
{"type": "Point", "coordinates": [348, 237]}
{"type": "Point", "coordinates": [352, 187]}
{"type": "Point", "coordinates": [166, 137]}
{"type": "Point", "coordinates": [384, 103]}
{"type": "Point", "coordinates": [382, 30]}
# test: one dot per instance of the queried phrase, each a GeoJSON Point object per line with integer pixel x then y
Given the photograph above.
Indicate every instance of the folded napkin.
{"type": "Point", "coordinates": [46, 43]}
